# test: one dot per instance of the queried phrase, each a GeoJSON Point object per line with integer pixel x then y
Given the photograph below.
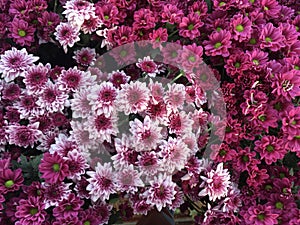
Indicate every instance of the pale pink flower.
{"type": "Point", "coordinates": [146, 134]}
{"type": "Point", "coordinates": [161, 192]}
{"type": "Point", "coordinates": [133, 98]}
{"type": "Point", "coordinates": [180, 123]}
{"type": "Point", "coordinates": [102, 98]}
{"type": "Point", "coordinates": [148, 66]}
{"type": "Point", "coordinates": [67, 35]}
{"type": "Point", "coordinates": [14, 63]}
{"type": "Point", "coordinates": [216, 183]}
{"type": "Point", "coordinates": [80, 103]}
{"type": "Point", "coordinates": [77, 164]}
{"type": "Point", "coordinates": [128, 180]}
{"type": "Point", "coordinates": [175, 97]}
{"type": "Point", "coordinates": [102, 182]}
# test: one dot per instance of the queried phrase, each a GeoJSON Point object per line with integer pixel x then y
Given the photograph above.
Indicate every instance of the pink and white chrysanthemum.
{"type": "Point", "coordinates": [55, 193]}
{"type": "Point", "coordinates": [36, 77]}
{"type": "Point", "coordinates": [126, 155]}
{"type": "Point", "coordinates": [216, 183]}
{"type": "Point", "coordinates": [77, 164]}
{"type": "Point", "coordinates": [102, 182]}
{"type": "Point", "coordinates": [47, 140]}
{"type": "Point", "coordinates": [133, 98]}
{"type": "Point", "coordinates": [149, 163]}
{"type": "Point", "coordinates": [117, 78]}
{"type": "Point", "coordinates": [180, 123]}
{"type": "Point", "coordinates": [146, 134]}
{"type": "Point", "coordinates": [128, 180]}
{"type": "Point", "coordinates": [23, 136]}
{"type": "Point", "coordinates": [175, 97]}
{"type": "Point", "coordinates": [102, 98]}
{"type": "Point", "coordinates": [85, 56]}
{"type": "Point", "coordinates": [161, 192]}
{"type": "Point", "coordinates": [91, 25]}
{"type": "Point", "coordinates": [27, 106]}
{"type": "Point", "coordinates": [67, 35]}
{"type": "Point", "coordinates": [102, 127]}
{"type": "Point", "coordinates": [148, 66]}
{"type": "Point", "coordinates": [73, 79]}
{"type": "Point", "coordinates": [157, 91]}
{"type": "Point", "coordinates": [63, 144]}
{"type": "Point", "coordinates": [81, 135]}
{"type": "Point", "coordinates": [52, 98]}
{"type": "Point", "coordinates": [174, 153]}
{"type": "Point", "coordinates": [14, 63]}
{"type": "Point", "coordinates": [80, 104]}
{"type": "Point", "coordinates": [77, 11]}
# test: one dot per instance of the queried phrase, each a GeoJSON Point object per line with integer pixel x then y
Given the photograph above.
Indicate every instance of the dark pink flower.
{"type": "Point", "coordinates": [21, 32]}
{"type": "Point", "coordinates": [171, 14]}
{"type": "Point", "coordinates": [69, 206]}
{"type": "Point", "coordinates": [237, 63]}
{"type": "Point", "coordinates": [143, 19]}
{"type": "Point", "coordinates": [30, 211]}
{"type": "Point", "coordinates": [189, 26]}
{"type": "Point", "coordinates": [54, 168]}
{"type": "Point", "coordinates": [108, 13]}
{"type": "Point", "coordinates": [85, 56]}
{"type": "Point", "coordinates": [10, 180]}
{"type": "Point", "coordinates": [158, 36]}
{"type": "Point", "coordinates": [11, 92]}
{"type": "Point", "coordinates": [218, 43]}
{"type": "Point", "coordinates": [271, 38]}
{"type": "Point", "coordinates": [260, 215]}
{"type": "Point", "coordinates": [121, 35]}
{"type": "Point", "coordinates": [270, 8]}
{"type": "Point", "coordinates": [241, 28]}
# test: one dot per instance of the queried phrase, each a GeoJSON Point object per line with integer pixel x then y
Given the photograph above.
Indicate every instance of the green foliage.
{"type": "Point", "coordinates": [30, 168]}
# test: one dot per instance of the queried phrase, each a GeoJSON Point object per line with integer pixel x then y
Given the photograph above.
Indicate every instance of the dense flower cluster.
{"type": "Point", "coordinates": [92, 129]}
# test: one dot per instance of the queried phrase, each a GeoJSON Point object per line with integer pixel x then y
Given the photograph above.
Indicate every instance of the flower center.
{"type": "Point", "coordinates": [22, 33]}
{"type": "Point", "coordinates": [296, 67]}
{"type": "Point", "coordinates": [255, 62]}
{"type": "Point", "coordinates": [174, 54]}
{"type": "Point", "coordinates": [33, 211]}
{"type": "Point", "coordinates": [68, 207]}
{"type": "Point", "coordinates": [218, 45]}
{"type": "Point", "coordinates": [297, 137]}
{"type": "Point", "coordinates": [252, 41]}
{"type": "Point", "coordinates": [87, 223]}
{"type": "Point", "coordinates": [106, 17]}
{"type": "Point", "coordinates": [9, 183]}
{"type": "Point", "coordinates": [219, 28]}
{"type": "Point", "coordinates": [123, 53]}
{"type": "Point", "coordinates": [237, 65]}
{"type": "Point", "coordinates": [268, 39]}
{"type": "Point", "coordinates": [191, 27]}
{"type": "Point", "coordinates": [192, 58]}
{"type": "Point", "coordinates": [239, 28]}
{"type": "Point", "coordinates": [222, 3]}
{"type": "Point", "coordinates": [56, 167]}
{"type": "Point", "coordinates": [279, 205]}
{"type": "Point", "coordinates": [245, 158]}
{"type": "Point", "coordinates": [266, 8]}
{"type": "Point", "coordinates": [222, 152]}
{"type": "Point", "coordinates": [261, 216]}
{"type": "Point", "coordinates": [268, 187]}
{"type": "Point", "coordinates": [294, 122]}
{"type": "Point", "coordinates": [270, 148]}
{"type": "Point", "coordinates": [262, 118]}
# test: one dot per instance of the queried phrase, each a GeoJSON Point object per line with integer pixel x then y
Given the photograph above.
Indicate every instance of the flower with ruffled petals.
{"type": "Point", "coordinates": [161, 192]}
{"type": "Point", "coordinates": [216, 183]}
{"type": "Point", "coordinates": [21, 32]}
{"type": "Point", "coordinates": [189, 26]}
{"type": "Point", "coordinates": [102, 182]}
{"type": "Point", "coordinates": [241, 28]}
{"type": "Point", "coordinates": [85, 56]}
{"type": "Point", "coordinates": [128, 180]}
{"type": "Point", "coordinates": [67, 35]}
{"type": "Point", "coordinates": [69, 206]}
{"type": "Point", "coordinates": [14, 63]}
{"type": "Point", "coordinates": [54, 168]}
{"type": "Point", "coordinates": [30, 211]}
{"type": "Point", "coordinates": [260, 215]}
{"type": "Point", "coordinates": [271, 38]}
{"type": "Point", "coordinates": [10, 181]}
{"type": "Point", "coordinates": [218, 43]}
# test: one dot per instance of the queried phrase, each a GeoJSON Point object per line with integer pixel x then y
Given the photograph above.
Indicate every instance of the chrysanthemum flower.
{"type": "Point", "coordinates": [69, 206]}
{"type": "Point", "coordinates": [133, 98]}
{"type": "Point", "coordinates": [54, 168]}
{"type": "Point", "coordinates": [148, 66]}
{"type": "Point", "coordinates": [48, 21]}
{"type": "Point", "coordinates": [103, 98]}
{"type": "Point", "coordinates": [241, 28]}
{"type": "Point", "coordinates": [77, 164]}
{"type": "Point", "coordinates": [85, 56]}
{"type": "Point", "coordinates": [108, 13]}
{"type": "Point", "coordinates": [30, 211]}
{"type": "Point", "coordinates": [80, 103]}
{"type": "Point", "coordinates": [260, 215]}
{"type": "Point", "coordinates": [191, 56]}
{"type": "Point", "coordinates": [174, 153]}
{"type": "Point", "coordinates": [14, 63]}
{"type": "Point", "coordinates": [180, 123]}
{"type": "Point", "coordinates": [102, 127]}
{"type": "Point", "coordinates": [52, 98]}
{"type": "Point", "coordinates": [158, 36]}
{"type": "Point", "coordinates": [102, 182]}
{"type": "Point", "coordinates": [10, 181]}
{"type": "Point", "coordinates": [77, 11]}
{"type": "Point", "coordinates": [55, 193]}
{"type": "Point", "coordinates": [149, 163]}
{"type": "Point", "coordinates": [161, 192]}
{"type": "Point", "coordinates": [11, 92]}
{"type": "Point", "coordinates": [23, 136]}
{"type": "Point", "coordinates": [218, 43]}
{"type": "Point", "coordinates": [175, 97]}
{"type": "Point", "coordinates": [270, 8]}
{"type": "Point", "coordinates": [146, 134]}
{"type": "Point", "coordinates": [67, 35]}
{"type": "Point", "coordinates": [91, 25]}
{"type": "Point", "coordinates": [128, 180]}
{"type": "Point", "coordinates": [21, 32]}
{"type": "Point", "coordinates": [117, 78]}
{"type": "Point", "coordinates": [216, 183]}
{"type": "Point", "coordinates": [189, 26]}
{"type": "Point", "coordinates": [143, 19]}
{"type": "Point", "coordinates": [171, 14]}
{"type": "Point", "coordinates": [271, 38]}
{"type": "Point", "coordinates": [270, 148]}
{"type": "Point", "coordinates": [36, 77]}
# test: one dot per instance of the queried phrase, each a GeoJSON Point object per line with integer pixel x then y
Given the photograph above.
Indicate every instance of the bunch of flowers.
{"type": "Point", "coordinates": [115, 108]}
